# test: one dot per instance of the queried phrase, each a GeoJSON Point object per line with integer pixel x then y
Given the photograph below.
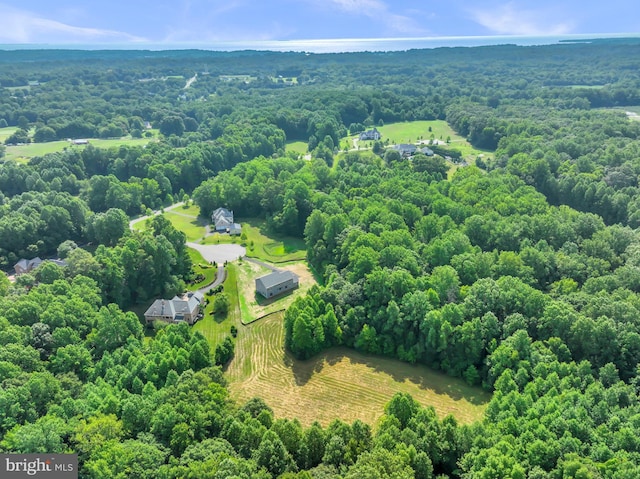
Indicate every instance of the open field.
{"type": "Point", "coordinates": [418, 131]}
{"type": "Point", "coordinates": [7, 132]}
{"type": "Point", "coordinates": [300, 147]}
{"type": "Point", "coordinates": [339, 383]}
{"type": "Point", "coordinates": [253, 305]}
{"type": "Point", "coordinates": [26, 152]}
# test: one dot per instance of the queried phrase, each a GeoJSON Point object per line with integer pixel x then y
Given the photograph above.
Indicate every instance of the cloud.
{"type": "Point", "coordinates": [509, 20]}
{"type": "Point", "coordinates": [20, 26]}
{"type": "Point", "coordinates": [379, 11]}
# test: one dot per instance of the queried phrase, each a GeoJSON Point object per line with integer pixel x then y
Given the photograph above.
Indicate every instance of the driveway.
{"type": "Point", "coordinates": [219, 253]}
{"type": "Point", "coordinates": [154, 213]}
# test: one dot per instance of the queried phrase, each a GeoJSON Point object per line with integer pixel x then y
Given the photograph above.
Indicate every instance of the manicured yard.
{"type": "Point", "coordinates": [216, 328]}
{"type": "Point", "coordinates": [200, 266]}
{"type": "Point", "coordinates": [193, 227]}
{"type": "Point", "coordinates": [263, 244]}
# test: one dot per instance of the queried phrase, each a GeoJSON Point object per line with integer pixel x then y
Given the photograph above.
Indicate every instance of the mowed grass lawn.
{"type": "Point", "coordinates": [31, 150]}
{"type": "Point", "coordinates": [7, 132]}
{"type": "Point", "coordinates": [200, 266]}
{"type": "Point", "coordinates": [339, 383]}
{"type": "Point", "coordinates": [299, 147]}
{"type": "Point", "coordinates": [216, 328]}
{"type": "Point", "coordinates": [263, 244]}
{"type": "Point", "coordinates": [415, 131]}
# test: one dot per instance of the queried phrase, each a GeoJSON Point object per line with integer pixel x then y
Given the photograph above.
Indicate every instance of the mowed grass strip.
{"type": "Point", "coordinates": [339, 383]}
{"type": "Point", "coordinates": [215, 328]}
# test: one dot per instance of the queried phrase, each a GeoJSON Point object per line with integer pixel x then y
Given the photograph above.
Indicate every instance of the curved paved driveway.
{"type": "Point", "coordinates": [219, 253]}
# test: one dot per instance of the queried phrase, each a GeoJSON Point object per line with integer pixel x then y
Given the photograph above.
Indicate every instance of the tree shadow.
{"type": "Point", "coordinates": [262, 301]}
{"type": "Point", "coordinates": [420, 375]}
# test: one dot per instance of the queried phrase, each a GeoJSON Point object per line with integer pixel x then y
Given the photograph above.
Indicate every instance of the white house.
{"type": "Point", "coordinates": [370, 135]}
{"type": "Point", "coordinates": [222, 218]}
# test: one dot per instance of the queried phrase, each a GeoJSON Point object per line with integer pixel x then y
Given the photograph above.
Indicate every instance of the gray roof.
{"type": "Point", "coordinates": [161, 307]}
{"type": "Point", "coordinates": [28, 264]}
{"type": "Point", "coordinates": [178, 305]}
{"type": "Point", "coordinates": [276, 278]}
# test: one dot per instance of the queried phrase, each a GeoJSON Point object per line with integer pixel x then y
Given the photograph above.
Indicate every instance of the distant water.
{"type": "Point", "coordinates": [334, 45]}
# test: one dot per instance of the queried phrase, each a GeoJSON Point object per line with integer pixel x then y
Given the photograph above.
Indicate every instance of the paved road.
{"type": "Point", "coordinates": [221, 275]}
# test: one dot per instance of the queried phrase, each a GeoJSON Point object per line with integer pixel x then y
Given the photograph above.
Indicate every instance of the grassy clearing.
{"type": "Point", "coordinates": [632, 112]}
{"type": "Point", "coordinates": [300, 147]}
{"type": "Point", "coordinates": [339, 383]}
{"type": "Point", "coordinates": [7, 132]}
{"type": "Point", "coordinates": [192, 226]}
{"type": "Point", "coordinates": [418, 131]}
{"type": "Point", "coordinates": [253, 305]}
{"type": "Point", "coordinates": [26, 152]}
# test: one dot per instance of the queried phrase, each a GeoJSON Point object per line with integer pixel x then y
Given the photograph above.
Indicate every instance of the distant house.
{"type": "Point", "coordinates": [222, 219]}
{"type": "Point", "coordinates": [405, 149]}
{"type": "Point", "coordinates": [370, 135]}
{"type": "Point", "coordinates": [27, 265]}
{"type": "Point", "coordinates": [276, 283]}
{"type": "Point", "coordinates": [79, 141]}
{"type": "Point", "coordinates": [185, 308]}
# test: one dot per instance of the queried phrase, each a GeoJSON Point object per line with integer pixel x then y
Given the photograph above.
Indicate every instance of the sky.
{"type": "Point", "coordinates": [210, 21]}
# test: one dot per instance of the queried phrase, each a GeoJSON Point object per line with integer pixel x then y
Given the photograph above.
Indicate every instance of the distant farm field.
{"type": "Point", "coordinates": [31, 150]}
{"type": "Point", "coordinates": [339, 383]}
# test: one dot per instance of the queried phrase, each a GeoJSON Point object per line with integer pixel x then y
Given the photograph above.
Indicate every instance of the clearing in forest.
{"type": "Point", "coordinates": [25, 152]}
{"type": "Point", "coordinates": [252, 304]}
{"type": "Point", "coordinates": [414, 132]}
{"type": "Point", "coordinates": [339, 383]}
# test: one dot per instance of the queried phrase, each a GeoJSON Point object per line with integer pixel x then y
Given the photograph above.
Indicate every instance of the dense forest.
{"type": "Point", "coordinates": [519, 273]}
